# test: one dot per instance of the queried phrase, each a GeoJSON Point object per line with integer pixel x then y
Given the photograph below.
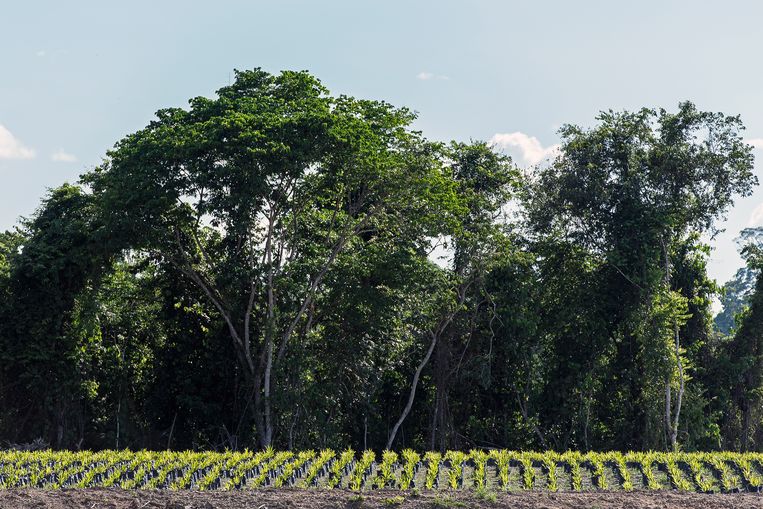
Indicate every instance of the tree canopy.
{"type": "Point", "coordinates": [277, 265]}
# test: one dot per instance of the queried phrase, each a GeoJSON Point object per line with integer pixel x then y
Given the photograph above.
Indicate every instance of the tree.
{"type": "Point", "coordinates": [737, 291]}
{"type": "Point", "coordinates": [58, 258]}
{"type": "Point", "coordinates": [746, 355]}
{"type": "Point", "coordinates": [256, 194]}
{"type": "Point", "coordinates": [629, 190]}
{"type": "Point", "coordinates": [485, 182]}
{"type": "Point", "coordinates": [10, 241]}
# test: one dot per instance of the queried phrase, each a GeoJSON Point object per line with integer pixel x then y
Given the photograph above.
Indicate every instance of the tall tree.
{"type": "Point", "coordinates": [485, 182]}
{"type": "Point", "coordinates": [256, 194]}
{"type": "Point", "coordinates": [745, 354]}
{"type": "Point", "coordinates": [629, 190]}
{"type": "Point", "coordinates": [58, 258]}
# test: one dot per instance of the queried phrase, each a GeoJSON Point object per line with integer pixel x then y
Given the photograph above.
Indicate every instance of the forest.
{"type": "Point", "coordinates": [283, 266]}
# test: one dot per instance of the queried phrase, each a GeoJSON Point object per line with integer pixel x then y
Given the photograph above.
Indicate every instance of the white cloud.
{"type": "Point", "coordinates": [527, 147]}
{"type": "Point", "coordinates": [63, 157]}
{"type": "Point", "coordinates": [756, 142]}
{"type": "Point", "coordinates": [11, 147]}
{"type": "Point", "coordinates": [41, 53]}
{"type": "Point", "coordinates": [756, 218]}
{"type": "Point", "coordinates": [425, 76]}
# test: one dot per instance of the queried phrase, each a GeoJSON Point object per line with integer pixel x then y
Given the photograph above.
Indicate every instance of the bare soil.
{"type": "Point", "coordinates": [388, 499]}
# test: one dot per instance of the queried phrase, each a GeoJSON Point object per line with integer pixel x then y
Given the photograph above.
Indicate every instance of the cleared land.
{"type": "Point", "coordinates": [114, 498]}
{"type": "Point", "coordinates": [307, 479]}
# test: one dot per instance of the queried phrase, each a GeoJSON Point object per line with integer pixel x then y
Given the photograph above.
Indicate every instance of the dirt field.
{"type": "Point", "coordinates": [387, 499]}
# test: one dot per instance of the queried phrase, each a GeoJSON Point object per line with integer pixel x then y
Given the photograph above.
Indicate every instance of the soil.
{"type": "Point", "coordinates": [284, 498]}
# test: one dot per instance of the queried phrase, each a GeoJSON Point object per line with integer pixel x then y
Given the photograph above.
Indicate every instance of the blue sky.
{"type": "Point", "coordinates": [77, 76]}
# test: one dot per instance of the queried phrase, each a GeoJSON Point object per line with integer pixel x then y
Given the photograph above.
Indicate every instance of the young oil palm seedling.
{"type": "Point", "coordinates": [720, 463]}
{"type": "Point", "coordinates": [502, 459]}
{"type": "Point", "coordinates": [618, 460]}
{"type": "Point", "coordinates": [121, 471]}
{"type": "Point", "coordinates": [549, 460]}
{"type": "Point", "coordinates": [361, 469]}
{"type": "Point", "coordinates": [290, 469]}
{"type": "Point", "coordinates": [433, 460]}
{"type": "Point", "coordinates": [165, 469]}
{"type": "Point", "coordinates": [269, 469]}
{"type": "Point", "coordinates": [320, 464]}
{"type": "Point", "coordinates": [246, 467]}
{"type": "Point", "coordinates": [528, 473]}
{"type": "Point", "coordinates": [647, 463]}
{"type": "Point", "coordinates": [596, 461]}
{"type": "Point", "coordinates": [750, 476]}
{"type": "Point", "coordinates": [410, 462]}
{"type": "Point", "coordinates": [696, 464]}
{"type": "Point", "coordinates": [385, 476]}
{"type": "Point", "coordinates": [674, 473]}
{"type": "Point", "coordinates": [456, 468]}
{"type": "Point", "coordinates": [479, 458]}
{"type": "Point", "coordinates": [573, 460]}
{"type": "Point", "coordinates": [340, 466]}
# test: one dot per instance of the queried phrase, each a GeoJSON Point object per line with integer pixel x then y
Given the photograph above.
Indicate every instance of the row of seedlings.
{"type": "Point", "coordinates": [705, 472]}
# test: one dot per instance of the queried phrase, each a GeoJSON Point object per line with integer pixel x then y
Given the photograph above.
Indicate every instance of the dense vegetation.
{"type": "Point", "coordinates": [277, 266]}
{"type": "Point", "coordinates": [497, 470]}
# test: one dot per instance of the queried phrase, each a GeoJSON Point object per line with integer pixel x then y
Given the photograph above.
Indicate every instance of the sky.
{"type": "Point", "coordinates": [77, 76]}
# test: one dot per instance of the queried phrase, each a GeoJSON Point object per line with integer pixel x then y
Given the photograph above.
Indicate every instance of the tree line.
{"type": "Point", "coordinates": [281, 266]}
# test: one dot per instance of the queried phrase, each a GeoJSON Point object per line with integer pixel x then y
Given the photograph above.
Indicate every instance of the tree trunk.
{"type": "Point", "coordinates": [745, 427]}
{"type": "Point", "coordinates": [268, 435]}
{"type": "Point", "coordinates": [668, 411]}
{"type": "Point", "coordinates": [259, 415]}
{"type": "Point", "coordinates": [441, 369]}
{"type": "Point", "coordinates": [412, 394]}
{"type": "Point", "coordinates": [672, 424]}
{"type": "Point", "coordinates": [679, 397]}
{"type": "Point", "coordinates": [435, 333]}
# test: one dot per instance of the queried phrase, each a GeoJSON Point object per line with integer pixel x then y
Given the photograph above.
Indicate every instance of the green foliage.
{"type": "Point", "coordinates": [456, 461]}
{"type": "Point", "coordinates": [338, 467]}
{"type": "Point", "coordinates": [479, 459]}
{"type": "Point", "coordinates": [410, 460]}
{"type": "Point", "coordinates": [502, 459]}
{"type": "Point", "coordinates": [573, 459]}
{"type": "Point", "coordinates": [528, 474]}
{"type": "Point", "coordinates": [361, 468]}
{"type": "Point", "coordinates": [736, 292]}
{"type": "Point", "coordinates": [324, 457]}
{"type": "Point", "coordinates": [291, 468]}
{"type": "Point", "coordinates": [704, 472]}
{"type": "Point", "coordinates": [385, 477]}
{"type": "Point", "coordinates": [255, 197]}
{"type": "Point", "coordinates": [277, 266]}
{"type": "Point", "coordinates": [432, 460]}
{"type": "Point", "coordinates": [486, 495]}
{"type": "Point", "coordinates": [446, 502]}
{"type": "Point", "coordinates": [622, 469]}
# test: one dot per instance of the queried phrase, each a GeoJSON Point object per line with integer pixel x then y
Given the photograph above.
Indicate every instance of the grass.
{"type": "Point", "coordinates": [485, 495]}
{"type": "Point", "coordinates": [440, 501]}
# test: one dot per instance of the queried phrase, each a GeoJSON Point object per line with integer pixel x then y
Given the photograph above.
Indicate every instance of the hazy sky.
{"type": "Point", "coordinates": [76, 76]}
